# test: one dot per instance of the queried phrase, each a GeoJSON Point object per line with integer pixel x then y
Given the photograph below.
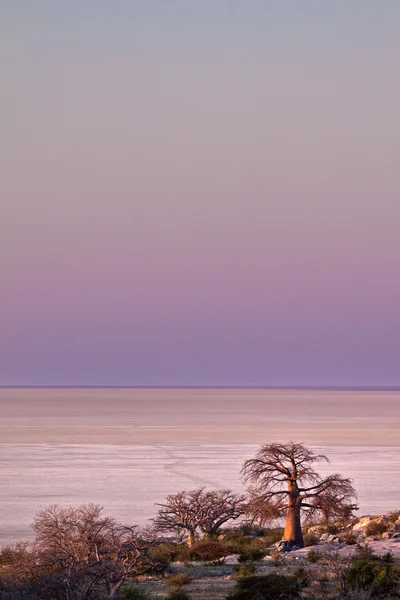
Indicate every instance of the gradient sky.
{"type": "Point", "coordinates": [200, 192]}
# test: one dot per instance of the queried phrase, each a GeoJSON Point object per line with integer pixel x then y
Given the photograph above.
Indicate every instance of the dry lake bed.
{"type": "Point", "coordinates": [128, 448]}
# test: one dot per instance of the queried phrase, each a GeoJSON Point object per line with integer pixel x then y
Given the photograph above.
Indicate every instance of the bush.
{"type": "Point", "coordinates": [210, 552]}
{"type": "Point", "coordinates": [273, 535]}
{"type": "Point", "coordinates": [379, 574]}
{"type": "Point", "coordinates": [134, 592]}
{"type": "Point", "coordinates": [178, 581]}
{"type": "Point", "coordinates": [349, 538]}
{"type": "Point", "coordinates": [313, 556]}
{"type": "Point", "coordinates": [332, 529]}
{"type": "Point", "coordinates": [181, 552]}
{"type": "Point", "coordinates": [178, 595]}
{"type": "Point", "coordinates": [266, 587]}
{"type": "Point", "coordinates": [376, 528]}
{"type": "Point", "coordinates": [253, 550]}
{"type": "Point", "coordinates": [246, 569]}
{"type": "Point", "coordinates": [302, 576]}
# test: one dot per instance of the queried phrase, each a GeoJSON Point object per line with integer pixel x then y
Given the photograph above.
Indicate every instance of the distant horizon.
{"type": "Point", "coordinates": [361, 388]}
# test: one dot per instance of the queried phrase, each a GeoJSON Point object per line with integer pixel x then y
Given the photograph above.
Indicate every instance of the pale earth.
{"type": "Point", "coordinates": [126, 449]}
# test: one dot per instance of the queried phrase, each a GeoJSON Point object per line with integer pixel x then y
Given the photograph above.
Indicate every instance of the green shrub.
{"type": "Point", "coordinates": [182, 553]}
{"type": "Point", "coordinates": [266, 587]}
{"type": "Point", "coordinates": [246, 569]}
{"type": "Point", "coordinates": [273, 535]}
{"type": "Point", "coordinates": [253, 550]}
{"type": "Point", "coordinates": [161, 557]}
{"type": "Point", "coordinates": [134, 592]}
{"type": "Point", "coordinates": [379, 574]}
{"type": "Point", "coordinates": [375, 528]}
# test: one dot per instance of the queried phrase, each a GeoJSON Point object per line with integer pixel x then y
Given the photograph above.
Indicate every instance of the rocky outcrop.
{"type": "Point", "coordinates": [366, 528]}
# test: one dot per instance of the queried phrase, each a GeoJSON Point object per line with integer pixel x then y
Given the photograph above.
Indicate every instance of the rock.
{"type": "Point", "coordinates": [284, 546]}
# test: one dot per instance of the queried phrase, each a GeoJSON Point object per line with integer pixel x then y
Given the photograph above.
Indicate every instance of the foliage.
{"type": "Point", "coordinates": [266, 587]}
{"type": "Point", "coordinates": [255, 550]}
{"type": "Point", "coordinates": [210, 551]}
{"type": "Point", "coordinates": [273, 535]}
{"type": "Point", "coordinates": [134, 592]}
{"type": "Point", "coordinates": [301, 575]}
{"type": "Point", "coordinates": [178, 595]}
{"type": "Point", "coordinates": [379, 574]}
{"type": "Point", "coordinates": [246, 569]}
{"type": "Point", "coordinates": [178, 581]}
{"type": "Point", "coordinates": [285, 482]}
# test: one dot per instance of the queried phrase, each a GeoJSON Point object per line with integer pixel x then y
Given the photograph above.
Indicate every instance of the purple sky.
{"type": "Point", "coordinates": [200, 193]}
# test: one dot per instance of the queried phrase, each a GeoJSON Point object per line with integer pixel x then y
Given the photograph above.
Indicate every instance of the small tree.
{"type": "Point", "coordinates": [207, 511]}
{"type": "Point", "coordinates": [286, 484]}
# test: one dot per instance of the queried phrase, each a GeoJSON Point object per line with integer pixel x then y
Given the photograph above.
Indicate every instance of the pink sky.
{"type": "Point", "coordinates": [203, 197]}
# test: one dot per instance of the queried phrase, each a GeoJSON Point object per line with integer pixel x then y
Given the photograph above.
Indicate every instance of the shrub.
{"type": "Point", "coordinates": [178, 595]}
{"type": "Point", "coordinates": [273, 535]}
{"type": "Point", "coordinates": [253, 550]}
{"type": "Point", "coordinates": [134, 592]}
{"type": "Point", "coordinates": [364, 552]}
{"type": "Point", "coordinates": [246, 569]}
{"type": "Point", "coordinates": [181, 552]}
{"type": "Point", "coordinates": [349, 538]}
{"type": "Point", "coordinates": [302, 576]}
{"type": "Point", "coordinates": [276, 558]}
{"type": "Point", "coordinates": [210, 552]}
{"type": "Point", "coordinates": [379, 574]}
{"type": "Point", "coordinates": [266, 587]}
{"type": "Point", "coordinates": [332, 529]}
{"type": "Point", "coordinates": [375, 528]}
{"type": "Point", "coordinates": [313, 556]}
{"type": "Point", "coordinates": [178, 581]}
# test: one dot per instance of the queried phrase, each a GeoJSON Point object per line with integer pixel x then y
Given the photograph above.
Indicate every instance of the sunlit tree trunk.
{"type": "Point", "coordinates": [293, 534]}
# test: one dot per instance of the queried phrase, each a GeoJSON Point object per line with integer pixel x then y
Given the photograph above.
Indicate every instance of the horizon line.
{"type": "Point", "coordinates": [365, 388]}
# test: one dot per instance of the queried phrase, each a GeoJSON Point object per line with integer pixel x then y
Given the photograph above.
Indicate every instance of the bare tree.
{"type": "Point", "coordinates": [217, 508]}
{"type": "Point", "coordinates": [94, 550]}
{"type": "Point", "coordinates": [190, 511]}
{"type": "Point", "coordinates": [286, 484]}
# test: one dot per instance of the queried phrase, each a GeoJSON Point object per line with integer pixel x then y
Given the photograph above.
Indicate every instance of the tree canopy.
{"type": "Point", "coordinates": [285, 483]}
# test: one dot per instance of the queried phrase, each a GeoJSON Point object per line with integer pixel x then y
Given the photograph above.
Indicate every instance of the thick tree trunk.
{"type": "Point", "coordinates": [190, 540]}
{"type": "Point", "coordinates": [293, 534]}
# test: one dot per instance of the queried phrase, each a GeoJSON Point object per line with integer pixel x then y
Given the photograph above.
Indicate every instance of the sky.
{"type": "Point", "coordinates": [200, 192]}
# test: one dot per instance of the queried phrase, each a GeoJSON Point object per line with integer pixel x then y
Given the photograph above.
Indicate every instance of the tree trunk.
{"type": "Point", "coordinates": [293, 534]}
{"type": "Point", "coordinates": [190, 540]}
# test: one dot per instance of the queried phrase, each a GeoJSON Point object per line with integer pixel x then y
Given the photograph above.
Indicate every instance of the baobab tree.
{"type": "Point", "coordinates": [217, 508]}
{"type": "Point", "coordinates": [285, 484]}
{"type": "Point", "coordinates": [206, 511]}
